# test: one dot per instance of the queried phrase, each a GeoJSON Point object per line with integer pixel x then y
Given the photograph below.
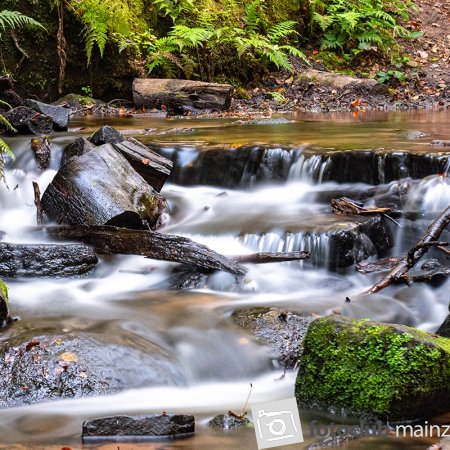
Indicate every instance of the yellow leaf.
{"type": "Point", "coordinates": [69, 357]}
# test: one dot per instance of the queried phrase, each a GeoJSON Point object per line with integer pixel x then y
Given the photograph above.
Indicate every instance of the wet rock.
{"type": "Point", "coordinates": [441, 142]}
{"type": "Point", "coordinates": [45, 260]}
{"type": "Point", "coordinates": [337, 440]}
{"type": "Point", "coordinates": [181, 96]}
{"type": "Point", "coordinates": [6, 83]}
{"type": "Point", "coordinates": [340, 81]}
{"type": "Point", "coordinates": [45, 367]}
{"type": "Point", "coordinates": [27, 121]}
{"type": "Point", "coordinates": [41, 150]}
{"type": "Point", "coordinates": [371, 369]}
{"type": "Point", "coordinates": [106, 135]}
{"type": "Point", "coordinates": [227, 422]}
{"type": "Point", "coordinates": [77, 148]}
{"type": "Point", "coordinates": [101, 188]}
{"type": "Point", "coordinates": [153, 425]}
{"type": "Point", "coordinates": [12, 98]}
{"type": "Point", "coordinates": [444, 329]}
{"type": "Point", "coordinates": [249, 165]}
{"type": "Point", "coordinates": [412, 134]}
{"type": "Point", "coordinates": [282, 330]}
{"type": "Point", "coordinates": [59, 114]}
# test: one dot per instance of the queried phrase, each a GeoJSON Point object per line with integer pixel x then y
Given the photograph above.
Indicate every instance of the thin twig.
{"type": "Point", "coordinates": [37, 202]}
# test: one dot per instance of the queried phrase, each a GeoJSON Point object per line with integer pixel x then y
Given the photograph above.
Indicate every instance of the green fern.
{"type": "Point", "coordinates": [15, 19]}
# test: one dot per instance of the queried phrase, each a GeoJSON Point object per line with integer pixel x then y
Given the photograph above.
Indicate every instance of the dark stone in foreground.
{"type": "Point", "coordinates": [27, 121]}
{"type": "Point", "coordinates": [227, 422]}
{"type": "Point", "coordinates": [181, 96]}
{"type": "Point", "coordinates": [59, 114]}
{"type": "Point", "coordinates": [37, 366]}
{"type": "Point", "coordinates": [282, 330]}
{"type": "Point", "coordinates": [153, 425]}
{"type": "Point", "coordinates": [45, 260]}
{"type": "Point", "coordinates": [373, 370]}
{"type": "Point", "coordinates": [101, 188]}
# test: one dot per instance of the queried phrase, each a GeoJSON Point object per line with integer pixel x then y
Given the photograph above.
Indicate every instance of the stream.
{"type": "Point", "coordinates": [179, 351]}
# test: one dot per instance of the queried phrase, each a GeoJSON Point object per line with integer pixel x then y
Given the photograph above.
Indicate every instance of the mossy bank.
{"type": "Point", "coordinates": [370, 369]}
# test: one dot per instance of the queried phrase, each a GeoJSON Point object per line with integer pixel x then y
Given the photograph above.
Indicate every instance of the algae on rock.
{"type": "Point", "coordinates": [371, 369]}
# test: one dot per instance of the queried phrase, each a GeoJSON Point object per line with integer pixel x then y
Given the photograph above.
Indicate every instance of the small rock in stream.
{"type": "Point", "coordinates": [149, 426]}
{"type": "Point", "coordinates": [227, 422]}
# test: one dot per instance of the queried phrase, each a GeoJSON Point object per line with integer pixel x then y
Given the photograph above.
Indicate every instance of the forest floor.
{"type": "Point", "coordinates": [426, 68]}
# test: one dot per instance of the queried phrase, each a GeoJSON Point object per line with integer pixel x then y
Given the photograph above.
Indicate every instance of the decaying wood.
{"type": "Point", "coordinates": [347, 206]}
{"type": "Point", "coordinates": [401, 268]}
{"type": "Point", "coordinates": [37, 202]}
{"type": "Point", "coordinates": [380, 265]}
{"type": "Point", "coordinates": [108, 240]}
{"type": "Point", "coordinates": [100, 187]}
{"type": "Point", "coordinates": [181, 96]}
{"type": "Point", "coordinates": [263, 258]}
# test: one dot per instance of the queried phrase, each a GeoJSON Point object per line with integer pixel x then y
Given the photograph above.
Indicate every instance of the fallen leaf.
{"type": "Point", "coordinates": [69, 357]}
{"type": "Point", "coordinates": [31, 344]}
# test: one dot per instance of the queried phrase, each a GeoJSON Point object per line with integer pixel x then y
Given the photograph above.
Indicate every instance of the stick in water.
{"type": "Point", "coordinates": [37, 202]}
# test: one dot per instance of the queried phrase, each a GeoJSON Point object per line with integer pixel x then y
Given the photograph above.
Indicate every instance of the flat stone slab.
{"type": "Point", "coordinates": [148, 426]}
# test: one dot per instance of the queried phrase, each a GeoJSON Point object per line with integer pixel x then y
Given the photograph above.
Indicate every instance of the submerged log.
{"type": "Point", "coordinates": [101, 188]}
{"type": "Point", "coordinates": [109, 240]}
{"type": "Point", "coordinates": [181, 96]}
{"type": "Point", "coordinates": [45, 260]}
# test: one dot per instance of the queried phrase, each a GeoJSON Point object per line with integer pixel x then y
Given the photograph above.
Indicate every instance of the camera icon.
{"type": "Point", "coordinates": [277, 423]}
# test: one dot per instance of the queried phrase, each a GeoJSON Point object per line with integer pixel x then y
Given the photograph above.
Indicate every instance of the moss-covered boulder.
{"type": "Point", "coordinates": [371, 369]}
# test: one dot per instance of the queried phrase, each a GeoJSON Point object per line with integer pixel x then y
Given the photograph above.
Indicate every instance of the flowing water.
{"type": "Point", "coordinates": [182, 350]}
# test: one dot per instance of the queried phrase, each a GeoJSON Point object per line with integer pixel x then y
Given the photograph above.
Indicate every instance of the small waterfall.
{"type": "Point", "coordinates": [308, 168]}
{"type": "Point", "coordinates": [317, 244]}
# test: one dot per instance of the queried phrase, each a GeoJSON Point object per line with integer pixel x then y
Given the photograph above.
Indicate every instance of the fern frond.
{"type": "Point", "coordinates": [279, 58]}
{"type": "Point", "coordinates": [15, 19]}
{"type": "Point", "coordinates": [6, 150]}
{"type": "Point", "coordinates": [295, 52]}
{"type": "Point", "coordinates": [5, 123]}
{"type": "Point", "coordinates": [3, 103]}
{"type": "Point", "coordinates": [281, 30]}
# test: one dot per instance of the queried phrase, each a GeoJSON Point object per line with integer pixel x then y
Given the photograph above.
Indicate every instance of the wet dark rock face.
{"type": "Point", "coordinates": [27, 121]}
{"type": "Point", "coordinates": [282, 330]}
{"type": "Point", "coordinates": [153, 425]}
{"type": "Point", "coordinates": [48, 367]}
{"type": "Point", "coordinates": [248, 165]}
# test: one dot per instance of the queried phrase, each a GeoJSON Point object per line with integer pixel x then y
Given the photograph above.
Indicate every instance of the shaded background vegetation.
{"type": "Point", "coordinates": [101, 45]}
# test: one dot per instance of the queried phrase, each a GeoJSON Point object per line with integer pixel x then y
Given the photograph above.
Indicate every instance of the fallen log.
{"type": "Point", "coordinates": [401, 268]}
{"type": "Point", "coordinates": [45, 260]}
{"type": "Point", "coordinates": [101, 188]}
{"type": "Point", "coordinates": [181, 96]}
{"type": "Point", "coordinates": [108, 240]}
{"type": "Point", "coordinates": [152, 167]}
{"type": "Point", "coordinates": [264, 258]}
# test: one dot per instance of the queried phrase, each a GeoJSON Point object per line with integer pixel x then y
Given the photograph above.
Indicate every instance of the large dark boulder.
{"type": "Point", "coordinates": [27, 121]}
{"type": "Point", "coordinates": [59, 114]}
{"type": "Point", "coordinates": [101, 188]}
{"type": "Point", "coordinates": [181, 96]}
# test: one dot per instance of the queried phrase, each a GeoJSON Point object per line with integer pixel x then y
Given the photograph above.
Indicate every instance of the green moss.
{"type": "Point", "coordinates": [373, 369]}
